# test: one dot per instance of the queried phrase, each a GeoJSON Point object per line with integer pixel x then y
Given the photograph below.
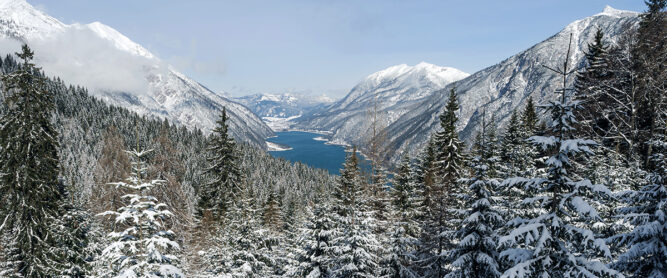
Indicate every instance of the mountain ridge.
{"type": "Point", "coordinates": [505, 86]}
{"type": "Point", "coordinates": [122, 72]}
{"type": "Point", "coordinates": [498, 89]}
{"type": "Point", "coordinates": [391, 88]}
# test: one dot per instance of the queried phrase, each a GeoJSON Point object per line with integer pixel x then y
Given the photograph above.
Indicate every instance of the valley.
{"type": "Point", "coordinates": [292, 139]}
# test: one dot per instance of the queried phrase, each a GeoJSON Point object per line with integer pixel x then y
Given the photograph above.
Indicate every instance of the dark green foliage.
{"type": "Point", "coordinates": [650, 65]}
{"type": "Point", "coordinates": [475, 253]}
{"type": "Point", "coordinates": [529, 118]}
{"type": "Point", "coordinates": [314, 257]}
{"type": "Point", "coordinates": [29, 164]}
{"type": "Point", "coordinates": [439, 223]}
{"type": "Point", "coordinates": [217, 195]}
{"type": "Point", "coordinates": [516, 155]}
{"type": "Point", "coordinates": [404, 238]}
{"type": "Point", "coordinates": [355, 245]}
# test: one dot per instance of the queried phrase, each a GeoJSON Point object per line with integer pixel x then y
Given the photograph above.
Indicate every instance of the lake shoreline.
{"type": "Point", "coordinates": [312, 149]}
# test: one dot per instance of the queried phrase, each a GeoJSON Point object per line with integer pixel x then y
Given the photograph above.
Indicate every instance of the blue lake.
{"type": "Point", "coordinates": [307, 150]}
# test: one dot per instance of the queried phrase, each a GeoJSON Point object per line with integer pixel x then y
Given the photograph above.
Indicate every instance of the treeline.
{"type": "Point", "coordinates": [91, 139]}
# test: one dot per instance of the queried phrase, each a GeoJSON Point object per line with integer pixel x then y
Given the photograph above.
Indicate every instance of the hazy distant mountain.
{"type": "Point", "coordinates": [280, 110]}
{"type": "Point", "coordinates": [283, 105]}
{"type": "Point", "coordinates": [120, 71]}
{"type": "Point", "coordinates": [392, 89]}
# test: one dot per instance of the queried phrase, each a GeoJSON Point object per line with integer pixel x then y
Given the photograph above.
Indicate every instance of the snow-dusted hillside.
{"type": "Point", "coordinates": [393, 89]}
{"type": "Point", "coordinates": [120, 71]}
{"type": "Point", "coordinates": [501, 88]}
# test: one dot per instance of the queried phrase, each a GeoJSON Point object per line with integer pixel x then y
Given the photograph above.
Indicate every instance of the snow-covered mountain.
{"type": "Point", "coordinates": [282, 105]}
{"type": "Point", "coordinates": [411, 98]}
{"type": "Point", "coordinates": [503, 87]}
{"type": "Point", "coordinates": [392, 89]}
{"type": "Point", "coordinates": [120, 71]}
{"type": "Point", "coordinates": [279, 110]}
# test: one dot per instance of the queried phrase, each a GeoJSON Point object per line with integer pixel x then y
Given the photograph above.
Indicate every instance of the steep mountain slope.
{"type": "Point", "coordinates": [393, 90]}
{"type": "Point", "coordinates": [120, 71]}
{"type": "Point", "coordinates": [501, 88]}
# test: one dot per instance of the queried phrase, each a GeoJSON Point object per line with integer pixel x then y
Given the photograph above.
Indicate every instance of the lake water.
{"type": "Point", "coordinates": [315, 153]}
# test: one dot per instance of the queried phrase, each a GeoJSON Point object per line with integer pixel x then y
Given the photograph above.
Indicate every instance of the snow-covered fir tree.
{"type": "Point", "coordinates": [29, 167]}
{"type": "Point", "coordinates": [76, 236]}
{"type": "Point", "coordinates": [516, 155]}
{"type": "Point", "coordinates": [355, 245]}
{"type": "Point", "coordinates": [645, 252]}
{"type": "Point", "coordinates": [440, 223]}
{"type": "Point", "coordinates": [314, 257]}
{"type": "Point", "coordinates": [142, 246]}
{"type": "Point", "coordinates": [554, 239]}
{"type": "Point", "coordinates": [405, 229]}
{"type": "Point", "coordinates": [475, 252]}
{"type": "Point", "coordinates": [377, 192]}
{"type": "Point", "coordinates": [529, 117]}
{"type": "Point", "coordinates": [649, 56]}
{"type": "Point", "coordinates": [424, 178]}
{"type": "Point", "coordinates": [242, 243]}
{"type": "Point", "coordinates": [218, 194]}
{"type": "Point", "coordinates": [290, 240]}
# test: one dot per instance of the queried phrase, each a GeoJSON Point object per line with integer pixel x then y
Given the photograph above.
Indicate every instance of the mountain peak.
{"type": "Point", "coordinates": [405, 72]}
{"type": "Point", "coordinates": [4, 3]}
{"type": "Point", "coordinates": [610, 11]}
{"type": "Point", "coordinates": [20, 19]}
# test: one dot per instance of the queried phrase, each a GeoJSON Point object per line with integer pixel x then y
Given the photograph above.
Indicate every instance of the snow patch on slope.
{"type": "Point", "coordinates": [119, 40]}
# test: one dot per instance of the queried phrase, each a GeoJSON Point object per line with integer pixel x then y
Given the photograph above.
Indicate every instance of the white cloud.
{"type": "Point", "coordinates": [79, 56]}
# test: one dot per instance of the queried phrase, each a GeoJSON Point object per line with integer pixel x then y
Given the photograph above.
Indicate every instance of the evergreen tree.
{"type": "Point", "coordinates": [608, 97]}
{"type": "Point", "coordinates": [405, 227]}
{"type": "Point", "coordinates": [543, 243]}
{"type": "Point", "coordinates": [314, 258]}
{"type": "Point", "coordinates": [355, 245]}
{"type": "Point", "coordinates": [142, 247]}
{"type": "Point", "coordinates": [475, 254]}
{"type": "Point", "coordinates": [440, 223]}
{"type": "Point", "coordinates": [377, 194]}
{"type": "Point", "coordinates": [29, 189]}
{"type": "Point", "coordinates": [241, 245]}
{"type": "Point", "coordinates": [271, 213]}
{"type": "Point", "coordinates": [516, 155]}
{"type": "Point", "coordinates": [645, 245]}
{"type": "Point", "coordinates": [486, 145]}
{"type": "Point", "coordinates": [216, 196]}
{"type": "Point", "coordinates": [650, 57]}
{"type": "Point", "coordinates": [529, 118]}
{"type": "Point", "coordinates": [290, 250]}
{"type": "Point", "coordinates": [449, 159]}
{"type": "Point", "coordinates": [425, 176]}
{"type": "Point", "coordinates": [75, 241]}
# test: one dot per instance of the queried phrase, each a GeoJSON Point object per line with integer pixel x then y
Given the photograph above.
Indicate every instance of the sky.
{"type": "Point", "coordinates": [325, 47]}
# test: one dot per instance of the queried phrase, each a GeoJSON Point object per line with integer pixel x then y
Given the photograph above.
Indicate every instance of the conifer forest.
{"type": "Point", "coordinates": [571, 185]}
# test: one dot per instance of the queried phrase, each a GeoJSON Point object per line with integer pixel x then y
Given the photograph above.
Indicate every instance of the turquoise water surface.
{"type": "Point", "coordinates": [311, 152]}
